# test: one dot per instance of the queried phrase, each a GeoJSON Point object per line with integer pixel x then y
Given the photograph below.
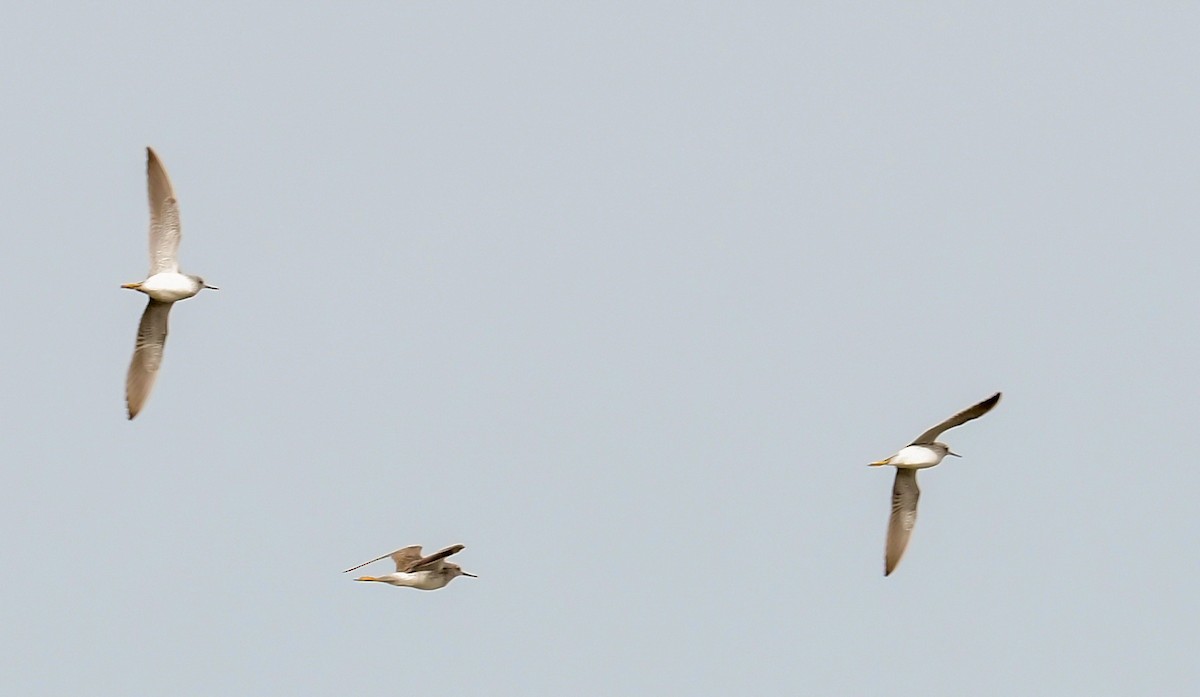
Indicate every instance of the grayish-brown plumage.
{"type": "Point", "coordinates": [164, 284]}
{"type": "Point", "coordinates": [925, 451]}
{"type": "Point", "coordinates": [417, 571]}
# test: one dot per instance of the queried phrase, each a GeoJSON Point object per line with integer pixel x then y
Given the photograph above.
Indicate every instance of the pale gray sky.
{"type": "Point", "coordinates": [623, 296]}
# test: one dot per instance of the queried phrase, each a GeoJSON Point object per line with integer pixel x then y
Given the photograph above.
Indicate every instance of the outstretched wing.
{"type": "Point", "coordinates": [164, 217]}
{"type": "Point", "coordinates": [433, 562]}
{"type": "Point", "coordinates": [904, 516]}
{"type": "Point", "coordinates": [958, 419]}
{"type": "Point", "coordinates": [405, 558]}
{"type": "Point", "coordinates": [402, 557]}
{"type": "Point", "coordinates": [147, 355]}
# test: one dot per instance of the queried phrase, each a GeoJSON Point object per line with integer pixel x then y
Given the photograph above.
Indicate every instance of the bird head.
{"type": "Point", "coordinates": [455, 570]}
{"type": "Point", "coordinates": [199, 280]}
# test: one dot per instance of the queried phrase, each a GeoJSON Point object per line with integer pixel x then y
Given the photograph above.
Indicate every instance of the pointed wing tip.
{"type": "Point", "coordinates": [969, 414]}
{"type": "Point", "coordinates": [986, 405]}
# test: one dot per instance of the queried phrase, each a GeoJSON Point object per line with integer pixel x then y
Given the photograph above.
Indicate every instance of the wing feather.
{"type": "Point", "coordinates": [165, 231]}
{"type": "Point", "coordinates": [405, 557]}
{"type": "Point", "coordinates": [973, 412]}
{"type": "Point", "coordinates": [409, 559]}
{"type": "Point", "coordinates": [147, 355]}
{"type": "Point", "coordinates": [433, 562]}
{"type": "Point", "coordinates": [904, 516]}
{"type": "Point", "coordinates": [413, 552]}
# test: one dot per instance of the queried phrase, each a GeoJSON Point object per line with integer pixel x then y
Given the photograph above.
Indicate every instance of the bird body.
{"type": "Point", "coordinates": [164, 284]}
{"type": "Point", "coordinates": [416, 571]}
{"type": "Point", "coordinates": [924, 452]}
{"type": "Point", "coordinates": [421, 580]}
{"type": "Point", "coordinates": [169, 286]}
{"type": "Point", "coordinates": [917, 456]}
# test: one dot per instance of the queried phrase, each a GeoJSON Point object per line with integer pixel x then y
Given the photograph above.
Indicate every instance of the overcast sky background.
{"type": "Point", "coordinates": [623, 296]}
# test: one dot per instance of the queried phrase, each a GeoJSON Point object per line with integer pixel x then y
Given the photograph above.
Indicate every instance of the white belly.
{"type": "Point", "coordinates": [421, 580]}
{"type": "Point", "coordinates": [916, 457]}
{"type": "Point", "coordinates": [168, 287]}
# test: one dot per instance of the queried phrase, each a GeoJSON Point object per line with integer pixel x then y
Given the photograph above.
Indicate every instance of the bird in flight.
{"type": "Point", "coordinates": [925, 451]}
{"type": "Point", "coordinates": [164, 284]}
{"type": "Point", "coordinates": [416, 571]}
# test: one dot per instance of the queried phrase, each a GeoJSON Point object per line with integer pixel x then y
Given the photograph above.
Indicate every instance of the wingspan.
{"type": "Point", "coordinates": [401, 556]}
{"type": "Point", "coordinates": [433, 561]}
{"type": "Point", "coordinates": [406, 557]}
{"type": "Point", "coordinates": [165, 230]}
{"type": "Point", "coordinates": [904, 516]}
{"type": "Point", "coordinates": [147, 355]}
{"type": "Point", "coordinates": [958, 419]}
{"type": "Point", "coordinates": [409, 559]}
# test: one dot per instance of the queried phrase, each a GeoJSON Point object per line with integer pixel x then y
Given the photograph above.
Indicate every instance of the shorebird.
{"type": "Point", "coordinates": [415, 571]}
{"type": "Point", "coordinates": [923, 452]}
{"type": "Point", "coordinates": [164, 284]}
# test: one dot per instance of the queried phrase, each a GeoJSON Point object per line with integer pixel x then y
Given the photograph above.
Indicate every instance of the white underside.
{"type": "Point", "coordinates": [916, 457]}
{"type": "Point", "coordinates": [169, 287]}
{"type": "Point", "coordinates": [421, 580]}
